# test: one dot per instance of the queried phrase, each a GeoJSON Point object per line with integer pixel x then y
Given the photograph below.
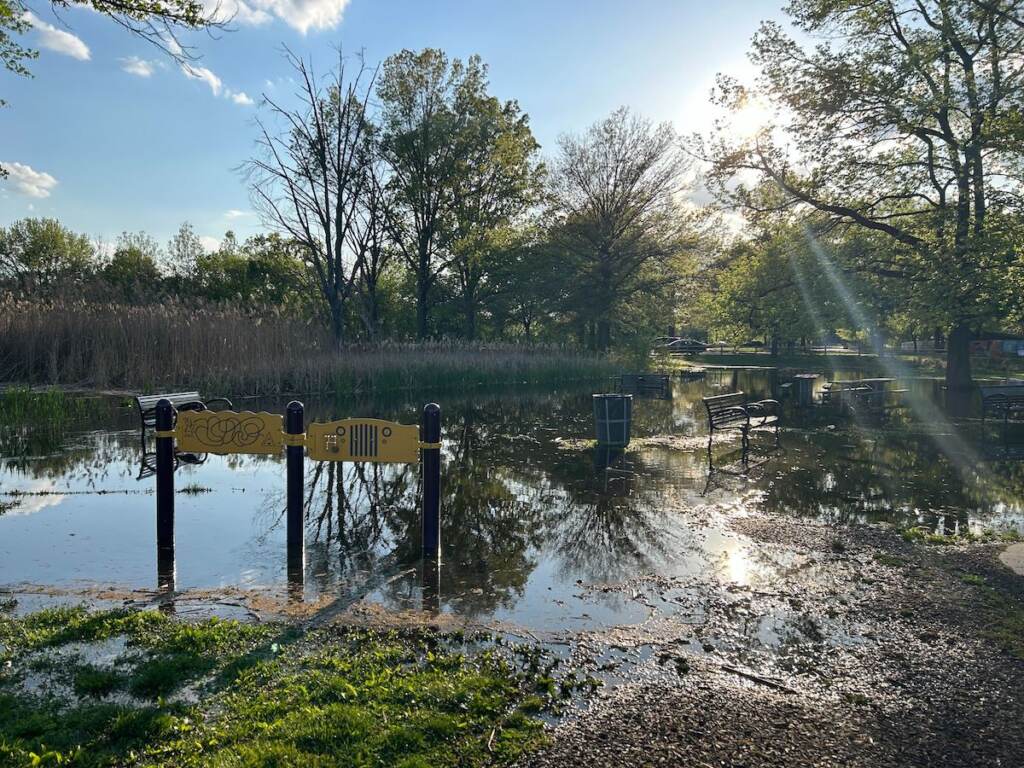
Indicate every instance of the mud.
{"type": "Point", "coordinates": [865, 650]}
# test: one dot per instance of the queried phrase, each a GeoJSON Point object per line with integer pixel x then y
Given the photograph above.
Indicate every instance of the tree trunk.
{"type": "Point", "coordinates": [337, 320]}
{"type": "Point", "coordinates": [775, 346]}
{"type": "Point", "coordinates": [958, 361]}
{"type": "Point", "coordinates": [423, 288]}
{"type": "Point", "coordinates": [469, 315]}
{"type": "Point", "coordinates": [604, 335]}
{"type": "Point", "coordinates": [422, 318]}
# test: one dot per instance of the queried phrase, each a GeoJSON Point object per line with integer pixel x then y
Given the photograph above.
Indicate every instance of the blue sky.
{"type": "Point", "coordinates": [109, 135]}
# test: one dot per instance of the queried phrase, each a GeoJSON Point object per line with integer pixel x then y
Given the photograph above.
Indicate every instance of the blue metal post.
{"type": "Point", "coordinates": [430, 460]}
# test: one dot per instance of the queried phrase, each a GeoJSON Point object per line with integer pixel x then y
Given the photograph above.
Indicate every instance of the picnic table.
{"type": "Point", "coordinates": [872, 393]}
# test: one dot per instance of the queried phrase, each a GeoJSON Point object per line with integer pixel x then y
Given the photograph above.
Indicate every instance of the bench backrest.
{"type": "Point", "coordinates": [1007, 392]}
{"type": "Point", "coordinates": [148, 402]}
{"type": "Point", "coordinates": [721, 408]}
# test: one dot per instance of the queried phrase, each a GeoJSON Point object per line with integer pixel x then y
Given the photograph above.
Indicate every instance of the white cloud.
{"type": "Point", "coordinates": [216, 84]}
{"type": "Point", "coordinates": [29, 181]}
{"type": "Point", "coordinates": [209, 243]}
{"type": "Point", "coordinates": [237, 11]}
{"type": "Point", "coordinates": [133, 65]}
{"type": "Point", "coordinates": [204, 74]}
{"type": "Point", "coordinates": [57, 39]}
{"type": "Point", "coordinates": [240, 97]}
{"type": "Point", "coordinates": [234, 213]}
{"type": "Point", "coordinates": [302, 15]}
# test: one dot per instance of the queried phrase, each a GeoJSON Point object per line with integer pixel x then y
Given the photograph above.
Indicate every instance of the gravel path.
{"type": "Point", "coordinates": [896, 660]}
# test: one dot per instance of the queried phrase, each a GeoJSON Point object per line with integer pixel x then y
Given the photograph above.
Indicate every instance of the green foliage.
{"type": "Point", "coordinates": [869, 109]}
{"type": "Point", "coordinates": [265, 271]}
{"type": "Point", "coordinates": [13, 55]}
{"type": "Point", "coordinates": [619, 230]}
{"type": "Point", "coordinates": [265, 695]}
{"type": "Point", "coordinates": [153, 20]}
{"type": "Point", "coordinates": [463, 165]}
{"type": "Point", "coordinates": [41, 255]}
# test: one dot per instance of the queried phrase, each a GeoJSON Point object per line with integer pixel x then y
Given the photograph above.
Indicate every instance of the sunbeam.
{"type": "Point", "coordinates": [961, 455]}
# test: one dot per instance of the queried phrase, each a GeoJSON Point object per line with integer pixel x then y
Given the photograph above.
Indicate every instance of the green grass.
{"type": "Point", "coordinates": [1003, 616]}
{"type": "Point", "coordinates": [268, 695]}
{"type": "Point", "coordinates": [922, 535]}
{"type": "Point", "coordinates": [33, 423]}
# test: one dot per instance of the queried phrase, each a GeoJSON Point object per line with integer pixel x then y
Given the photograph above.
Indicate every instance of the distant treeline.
{"type": "Point", "coordinates": [407, 202]}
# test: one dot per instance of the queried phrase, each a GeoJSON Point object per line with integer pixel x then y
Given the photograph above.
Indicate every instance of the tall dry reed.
{"type": "Point", "coordinates": [106, 346]}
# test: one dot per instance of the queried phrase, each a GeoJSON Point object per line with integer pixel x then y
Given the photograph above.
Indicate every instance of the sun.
{"type": "Point", "coordinates": [749, 120]}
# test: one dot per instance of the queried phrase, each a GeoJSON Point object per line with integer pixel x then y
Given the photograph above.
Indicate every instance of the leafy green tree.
{"type": "Point", "coordinates": [184, 250]}
{"type": "Point", "coordinates": [441, 133]}
{"type": "Point", "coordinates": [133, 271]}
{"type": "Point", "coordinates": [44, 256]}
{"type": "Point", "coordinates": [903, 119]}
{"type": "Point", "coordinates": [494, 189]}
{"type": "Point", "coordinates": [266, 271]}
{"type": "Point", "coordinates": [616, 214]}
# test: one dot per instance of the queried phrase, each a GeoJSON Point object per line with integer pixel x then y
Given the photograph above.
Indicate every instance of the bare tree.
{"type": "Point", "coordinates": [369, 241]}
{"type": "Point", "coordinates": [310, 179]}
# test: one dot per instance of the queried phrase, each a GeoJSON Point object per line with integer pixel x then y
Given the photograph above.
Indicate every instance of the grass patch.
{"type": "Point", "coordinates": [96, 681]}
{"type": "Point", "coordinates": [33, 423]}
{"type": "Point", "coordinates": [272, 695]}
{"type": "Point", "coordinates": [922, 535]}
{"type": "Point", "coordinates": [1004, 615]}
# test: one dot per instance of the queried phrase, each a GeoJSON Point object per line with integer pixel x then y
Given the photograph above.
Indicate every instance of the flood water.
{"type": "Point", "coordinates": [534, 519]}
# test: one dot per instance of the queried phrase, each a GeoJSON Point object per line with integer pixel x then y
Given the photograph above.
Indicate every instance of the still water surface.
{"type": "Point", "coordinates": [533, 517]}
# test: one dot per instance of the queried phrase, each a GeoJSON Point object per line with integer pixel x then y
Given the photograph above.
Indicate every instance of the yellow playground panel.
{"type": "Point", "coordinates": [370, 440]}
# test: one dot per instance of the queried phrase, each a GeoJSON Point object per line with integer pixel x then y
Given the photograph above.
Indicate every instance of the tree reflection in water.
{"type": "Point", "coordinates": [522, 497]}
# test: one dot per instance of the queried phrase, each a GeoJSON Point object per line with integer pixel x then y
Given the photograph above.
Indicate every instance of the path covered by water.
{"type": "Point", "coordinates": [538, 526]}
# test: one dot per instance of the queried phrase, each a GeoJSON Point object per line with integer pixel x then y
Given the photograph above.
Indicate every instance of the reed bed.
{"type": "Point", "coordinates": [110, 346]}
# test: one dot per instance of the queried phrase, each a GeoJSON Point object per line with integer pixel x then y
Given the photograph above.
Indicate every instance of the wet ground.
{"type": "Point", "coordinates": [795, 609]}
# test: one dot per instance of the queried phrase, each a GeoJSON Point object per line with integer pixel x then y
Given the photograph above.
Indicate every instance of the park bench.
{"type": "Point", "coordinates": [732, 411]}
{"type": "Point", "coordinates": [1006, 401]}
{"type": "Point", "coordinates": [182, 401]}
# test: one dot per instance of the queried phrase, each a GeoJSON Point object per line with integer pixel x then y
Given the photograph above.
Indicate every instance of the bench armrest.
{"type": "Point", "coordinates": [222, 400]}
{"type": "Point", "coordinates": [764, 405]}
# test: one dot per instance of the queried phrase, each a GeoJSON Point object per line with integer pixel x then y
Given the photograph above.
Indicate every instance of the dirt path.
{"type": "Point", "coordinates": [881, 653]}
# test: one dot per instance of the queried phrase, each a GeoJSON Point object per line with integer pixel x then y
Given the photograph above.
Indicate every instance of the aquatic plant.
{"type": "Point", "coordinates": [25, 406]}
{"type": "Point", "coordinates": [228, 351]}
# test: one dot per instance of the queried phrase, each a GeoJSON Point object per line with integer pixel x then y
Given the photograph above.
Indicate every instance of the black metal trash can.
{"type": "Point", "coordinates": [613, 417]}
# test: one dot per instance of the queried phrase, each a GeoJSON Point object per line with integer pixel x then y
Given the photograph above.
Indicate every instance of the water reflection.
{"type": "Point", "coordinates": [528, 508]}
